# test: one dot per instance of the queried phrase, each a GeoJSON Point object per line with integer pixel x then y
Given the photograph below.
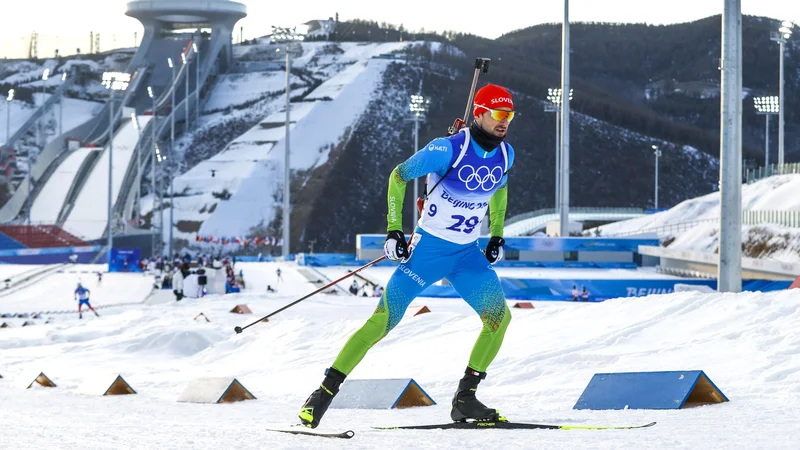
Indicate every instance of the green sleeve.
{"type": "Point", "coordinates": [497, 211]}
{"type": "Point", "coordinates": [397, 194]}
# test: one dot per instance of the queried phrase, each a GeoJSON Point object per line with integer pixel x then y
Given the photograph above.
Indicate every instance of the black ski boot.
{"type": "Point", "coordinates": [466, 405]}
{"type": "Point", "coordinates": [316, 405]}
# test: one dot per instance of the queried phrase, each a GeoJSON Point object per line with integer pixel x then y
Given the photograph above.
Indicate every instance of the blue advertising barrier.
{"type": "Point", "coordinates": [125, 260]}
{"type": "Point", "coordinates": [599, 290]}
{"type": "Point", "coordinates": [539, 244]}
{"type": "Point", "coordinates": [335, 259]}
{"type": "Point", "coordinates": [48, 255]}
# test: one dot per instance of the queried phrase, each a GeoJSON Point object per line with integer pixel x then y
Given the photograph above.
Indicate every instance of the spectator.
{"type": "Point", "coordinates": [177, 284]}
{"type": "Point", "coordinates": [354, 288]}
{"type": "Point", "coordinates": [575, 293]}
{"type": "Point", "coordinates": [585, 294]}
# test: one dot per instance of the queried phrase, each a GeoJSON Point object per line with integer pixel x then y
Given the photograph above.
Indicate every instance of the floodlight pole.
{"type": "Point", "coordinates": [61, 108]}
{"type": "Point", "coordinates": [138, 172]}
{"type": "Point", "coordinates": [196, 84]}
{"type": "Point", "coordinates": [780, 108]}
{"type": "Point", "coordinates": [186, 95]}
{"type": "Point", "coordinates": [730, 247]}
{"type": "Point", "coordinates": [286, 155]}
{"type": "Point", "coordinates": [564, 198]}
{"type": "Point", "coordinates": [766, 144]}
{"type": "Point", "coordinates": [657, 154]}
{"type": "Point", "coordinates": [110, 242]}
{"type": "Point", "coordinates": [171, 162]}
{"type": "Point", "coordinates": [153, 172]}
{"type": "Point", "coordinates": [416, 186]}
{"type": "Point", "coordinates": [8, 115]}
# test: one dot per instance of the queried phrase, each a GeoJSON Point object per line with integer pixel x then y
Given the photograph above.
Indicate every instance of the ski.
{"type": "Point", "coordinates": [304, 431]}
{"type": "Point", "coordinates": [511, 426]}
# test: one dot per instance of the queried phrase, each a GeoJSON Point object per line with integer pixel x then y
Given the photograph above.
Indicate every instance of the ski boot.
{"type": "Point", "coordinates": [467, 406]}
{"type": "Point", "coordinates": [95, 313]}
{"type": "Point", "coordinates": [80, 316]}
{"type": "Point", "coordinates": [317, 403]}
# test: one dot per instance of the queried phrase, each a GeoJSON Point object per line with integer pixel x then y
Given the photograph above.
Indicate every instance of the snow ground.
{"type": "Point", "coordinates": [746, 343]}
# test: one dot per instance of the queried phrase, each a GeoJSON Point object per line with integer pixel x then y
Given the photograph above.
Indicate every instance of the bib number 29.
{"type": "Point", "coordinates": [469, 224]}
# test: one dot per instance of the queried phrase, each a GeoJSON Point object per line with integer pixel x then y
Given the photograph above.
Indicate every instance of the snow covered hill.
{"type": "Point", "coordinates": [746, 343]}
{"type": "Point", "coordinates": [694, 224]}
{"type": "Point", "coordinates": [240, 188]}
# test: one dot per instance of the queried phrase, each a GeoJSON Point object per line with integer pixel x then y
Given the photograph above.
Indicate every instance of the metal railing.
{"type": "Point", "coordinates": [759, 173]}
{"type": "Point", "coordinates": [664, 229]}
{"type": "Point", "coordinates": [789, 219]}
{"type": "Point", "coordinates": [524, 224]}
{"type": "Point", "coordinates": [750, 217]}
{"type": "Point", "coordinates": [590, 210]}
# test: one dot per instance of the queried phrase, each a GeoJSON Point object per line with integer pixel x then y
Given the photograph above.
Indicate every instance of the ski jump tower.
{"type": "Point", "coordinates": [163, 19]}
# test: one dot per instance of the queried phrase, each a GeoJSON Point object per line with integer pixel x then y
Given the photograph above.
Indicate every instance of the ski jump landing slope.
{"type": "Point", "coordinates": [89, 215]}
{"type": "Point", "coordinates": [48, 203]}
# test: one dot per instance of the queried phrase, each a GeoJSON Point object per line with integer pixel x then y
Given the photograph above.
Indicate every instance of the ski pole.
{"type": "Point", "coordinates": [240, 329]}
{"type": "Point", "coordinates": [481, 65]}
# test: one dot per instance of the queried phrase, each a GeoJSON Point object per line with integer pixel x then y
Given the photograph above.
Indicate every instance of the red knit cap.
{"type": "Point", "coordinates": [491, 96]}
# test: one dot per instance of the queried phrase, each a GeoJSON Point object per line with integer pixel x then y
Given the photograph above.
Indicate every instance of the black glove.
{"type": "Point", "coordinates": [395, 248]}
{"type": "Point", "coordinates": [494, 249]}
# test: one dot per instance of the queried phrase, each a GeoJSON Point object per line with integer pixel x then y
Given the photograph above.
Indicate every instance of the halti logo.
{"type": "Point", "coordinates": [438, 148]}
{"type": "Point", "coordinates": [502, 100]}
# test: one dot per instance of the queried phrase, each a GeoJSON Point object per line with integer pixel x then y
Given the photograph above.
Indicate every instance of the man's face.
{"type": "Point", "coordinates": [497, 128]}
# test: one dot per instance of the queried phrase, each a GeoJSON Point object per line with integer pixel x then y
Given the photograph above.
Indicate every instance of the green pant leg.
{"type": "Point", "coordinates": [489, 341]}
{"type": "Point", "coordinates": [361, 341]}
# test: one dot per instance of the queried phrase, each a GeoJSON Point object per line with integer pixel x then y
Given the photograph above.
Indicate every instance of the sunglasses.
{"type": "Point", "coordinates": [498, 114]}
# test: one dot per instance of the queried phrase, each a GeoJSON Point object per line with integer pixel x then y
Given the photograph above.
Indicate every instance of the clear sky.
{"type": "Point", "coordinates": [66, 24]}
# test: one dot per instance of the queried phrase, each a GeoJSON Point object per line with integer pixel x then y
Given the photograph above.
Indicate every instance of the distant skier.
{"type": "Point", "coordinates": [467, 172]}
{"type": "Point", "coordinates": [354, 288]}
{"type": "Point", "coordinates": [99, 278]}
{"type": "Point", "coordinates": [82, 295]}
{"type": "Point", "coordinates": [278, 273]}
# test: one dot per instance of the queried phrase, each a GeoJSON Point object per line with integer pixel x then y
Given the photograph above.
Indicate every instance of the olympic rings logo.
{"type": "Point", "coordinates": [482, 177]}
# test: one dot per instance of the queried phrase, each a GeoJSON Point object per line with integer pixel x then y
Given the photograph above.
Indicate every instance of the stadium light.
{"type": "Point", "coordinates": [196, 83]}
{"type": "Point", "coordinates": [767, 106]}
{"type": "Point", "coordinates": [8, 113]}
{"type": "Point", "coordinates": [171, 149]}
{"type": "Point", "coordinates": [781, 36]}
{"type": "Point", "coordinates": [290, 35]}
{"type": "Point", "coordinates": [153, 156]}
{"type": "Point", "coordinates": [554, 106]}
{"type": "Point", "coordinates": [113, 81]}
{"type": "Point", "coordinates": [418, 107]}
{"type": "Point", "coordinates": [657, 153]}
